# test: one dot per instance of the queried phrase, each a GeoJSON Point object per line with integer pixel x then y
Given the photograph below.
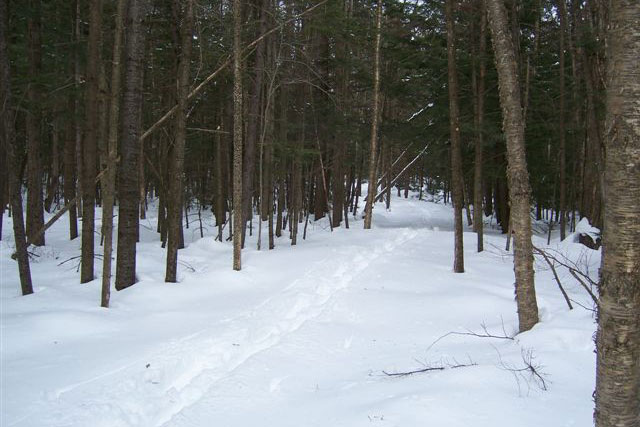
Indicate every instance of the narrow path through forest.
{"type": "Point", "coordinates": [303, 334]}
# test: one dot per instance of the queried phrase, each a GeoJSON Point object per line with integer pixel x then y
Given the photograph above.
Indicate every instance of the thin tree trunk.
{"type": "Point", "coordinates": [456, 149]}
{"type": "Point", "coordinates": [109, 180]}
{"type": "Point", "coordinates": [479, 122]}
{"type": "Point", "coordinates": [517, 173]}
{"type": "Point", "coordinates": [130, 120]}
{"type": "Point", "coordinates": [238, 221]}
{"type": "Point", "coordinates": [142, 184]}
{"type": "Point", "coordinates": [617, 394]}
{"type": "Point", "coordinates": [5, 196]}
{"type": "Point", "coordinates": [562, 147]}
{"type": "Point", "coordinates": [375, 117]}
{"type": "Point", "coordinates": [219, 210]}
{"type": "Point", "coordinates": [54, 174]}
{"type": "Point", "coordinates": [281, 202]}
{"type": "Point", "coordinates": [296, 196]}
{"type": "Point", "coordinates": [77, 81]}
{"type": "Point", "coordinates": [69, 176]}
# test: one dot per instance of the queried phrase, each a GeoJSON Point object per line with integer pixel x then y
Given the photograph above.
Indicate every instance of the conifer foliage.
{"type": "Point", "coordinates": [278, 113]}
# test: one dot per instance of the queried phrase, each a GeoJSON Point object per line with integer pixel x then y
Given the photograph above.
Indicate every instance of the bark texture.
{"type": "Point", "coordinates": [238, 222]}
{"type": "Point", "coordinates": [375, 113]}
{"type": "Point", "coordinates": [454, 138]}
{"type": "Point", "coordinates": [35, 214]}
{"type": "Point", "coordinates": [517, 174]}
{"type": "Point", "coordinates": [562, 8]}
{"type": "Point", "coordinates": [175, 183]}
{"type": "Point", "coordinates": [109, 180]}
{"type": "Point", "coordinates": [479, 128]}
{"type": "Point", "coordinates": [130, 119]}
{"type": "Point", "coordinates": [90, 143]}
{"type": "Point", "coordinates": [618, 339]}
{"type": "Point", "coordinates": [7, 117]}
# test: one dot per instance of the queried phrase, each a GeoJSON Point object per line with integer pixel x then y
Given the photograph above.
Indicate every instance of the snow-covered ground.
{"type": "Point", "coordinates": [302, 336]}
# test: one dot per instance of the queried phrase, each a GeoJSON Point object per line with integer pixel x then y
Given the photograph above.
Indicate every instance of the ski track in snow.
{"type": "Point", "coordinates": [155, 391]}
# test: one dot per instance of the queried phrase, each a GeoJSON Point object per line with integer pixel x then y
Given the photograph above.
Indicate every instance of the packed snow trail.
{"type": "Point", "coordinates": [300, 338]}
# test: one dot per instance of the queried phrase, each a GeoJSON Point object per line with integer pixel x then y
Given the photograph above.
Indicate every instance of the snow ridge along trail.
{"type": "Point", "coordinates": [155, 391]}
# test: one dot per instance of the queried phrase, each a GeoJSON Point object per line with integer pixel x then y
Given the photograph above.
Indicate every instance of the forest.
{"type": "Point", "coordinates": [250, 165]}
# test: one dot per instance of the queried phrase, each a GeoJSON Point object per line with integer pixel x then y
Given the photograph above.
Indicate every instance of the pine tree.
{"type": "Point", "coordinates": [130, 122]}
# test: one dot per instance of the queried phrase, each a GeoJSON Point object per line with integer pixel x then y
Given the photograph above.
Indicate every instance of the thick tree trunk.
{"type": "Point", "coordinates": [175, 183]}
{"type": "Point", "coordinates": [7, 119]}
{"type": "Point", "coordinates": [130, 121]}
{"type": "Point", "coordinates": [238, 222]}
{"type": "Point", "coordinates": [375, 117]}
{"type": "Point", "coordinates": [517, 173]}
{"type": "Point", "coordinates": [90, 142]}
{"type": "Point", "coordinates": [618, 339]}
{"type": "Point", "coordinates": [35, 214]}
{"type": "Point", "coordinates": [454, 137]}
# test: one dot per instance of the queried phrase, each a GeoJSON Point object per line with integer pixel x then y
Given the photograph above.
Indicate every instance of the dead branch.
{"type": "Point", "coordinates": [98, 256]}
{"type": "Point", "coordinates": [399, 175]}
{"type": "Point", "coordinates": [529, 371]}
{"type": "Point", "coordinates": [228, 61]}
{"type": "Point", "coordinates": [393, 164]}
{"type": "Point", "coordinates": [484, 334]}
{"type": "Point", "coordinates": [440, 367]}
{"type": "Point", "coordinates": [555, 275]}
{"type": "Point", "coordinates": [579, 275]}
{"type": "Point", "coordinates": [584, 285]}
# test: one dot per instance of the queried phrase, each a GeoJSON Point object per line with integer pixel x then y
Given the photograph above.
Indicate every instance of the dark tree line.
{"type": "Point", "coordinates": [276, 113]}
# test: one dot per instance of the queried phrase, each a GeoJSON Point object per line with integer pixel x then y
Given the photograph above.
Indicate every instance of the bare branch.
{"type": "Point", "coordinates": [440, 367]}
{"type": "Point", "coordinates": [224, 65]}
{"type": "Point", "coordinates": [484, 334]}
{"type": "Point", "coordinates": [555, 275]}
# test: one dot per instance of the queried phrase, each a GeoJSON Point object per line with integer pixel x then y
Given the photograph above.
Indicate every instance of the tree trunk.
{"type": "Point", "coordinates": [35, 214]}
{"type": "Point", "coordinates": [109, 179]}
{"type": "Point", "coordinates": [54, 172]}
{"type": "Point", "coordinates": [617, 394]}
{"type": "Point", "coordinates": [90, 143]}
{"type": "Point", "coordinates": [130, 120]}
{"type": "Point", "coordinates": [517, 174]}
{"type": "Point", "coordinates": [175, 183]}
{"type": "Point", "coordinates": [5, 196]}
{"type": "Point", "coordinates": [238, 221]}
{"type": "Point", "coordinates": [219, 176]}
{"type": "Point", "coordinates": [253, 121]}
{"type": "Point", "coordinates": [562, 9]}
{"type": "Point", "coordinates": [375, 117]}
{"type": "Point", "coordinates": [7, 120]}
{"type": "Point", "coordinates": [77, 81]}
{"type": "Point", "coordinates": [454, 136]}
{"type": "Point", "coordinates": [479, 129]}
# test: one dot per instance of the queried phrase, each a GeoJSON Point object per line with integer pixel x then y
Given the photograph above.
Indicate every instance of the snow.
{"type": "Point", "coordinates": [302, 336]}
{"type": "Point", "coordinates": [585, 228]}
